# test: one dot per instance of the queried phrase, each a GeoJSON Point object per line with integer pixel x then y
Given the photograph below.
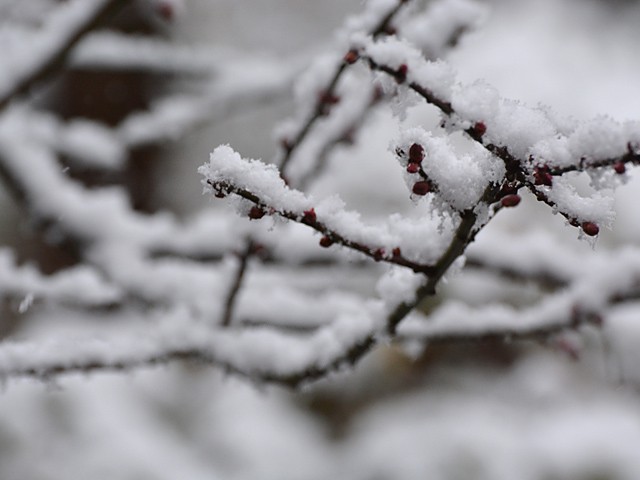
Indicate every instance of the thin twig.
{"type": "Point", "coordinates": [243, 260]}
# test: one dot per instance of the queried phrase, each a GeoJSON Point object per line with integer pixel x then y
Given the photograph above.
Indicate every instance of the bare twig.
{"type": "Point", "coordinates": [243, 260]}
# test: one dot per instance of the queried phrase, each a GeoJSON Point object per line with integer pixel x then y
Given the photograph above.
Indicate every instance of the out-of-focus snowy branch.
{"type": "Point", "coordinates": [33, 56]}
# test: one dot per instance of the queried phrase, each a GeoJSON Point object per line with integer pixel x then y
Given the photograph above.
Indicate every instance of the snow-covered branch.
{"type": "Point", "coordinates": [217, 269]}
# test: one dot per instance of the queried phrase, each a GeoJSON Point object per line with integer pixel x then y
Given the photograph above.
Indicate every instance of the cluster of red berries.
{"type": "Point", "coordinates": [416, 156]}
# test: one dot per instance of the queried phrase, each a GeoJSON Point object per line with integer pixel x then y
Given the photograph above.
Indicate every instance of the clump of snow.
{"type": "Point", "coordinates": [393, 52]}
{"type": "Point", "coordinates": [227, 166]}
{"type": "Point", "coordinates": [399, 285]}
{"type": "Point", "coordinates": [597, 208]}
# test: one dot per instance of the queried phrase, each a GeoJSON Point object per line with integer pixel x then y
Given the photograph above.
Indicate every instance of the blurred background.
{"type": "Point", "coordinates": [562, 410]}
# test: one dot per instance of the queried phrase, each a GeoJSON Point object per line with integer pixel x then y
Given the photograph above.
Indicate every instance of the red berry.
{"type": "Point", "coordinates": [590, 228]}
{"type": "Point", "coordinates": [309, 216]}
{"type": "Point", "coordinates": [619, 167]}
{"type": "Point", "coordinates": [351, 57]}
{"type": "Point", "coordinates": [416, 153]}
{"type": "Point", "coordinates": [413, 168]}
{"type": "Point", "coordinates": [326, 242]}
{"type": "Point", "coordinates": [256, 212]}
{"type": "Point", "coordinates": [421, 188]}
{"type": "Point", "coordinates": [510, 200]}
{"type": "Point", "coordinates": [479, 129]}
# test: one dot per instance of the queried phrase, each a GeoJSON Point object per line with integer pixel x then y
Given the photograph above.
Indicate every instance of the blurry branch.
{"type": "Point", "coordinates": [540, 332]}
{"type": "Point", "coordinates": [327, 95]}
{"type": "Point", "coordinates": [112, 51]}
{"type": "Point", "coordinates": [223, 347]}
{"type": "Point", "coordinates": [69, 24]}
{"type": "Point", "coordinates": [243, 260]}
{"type": "Point", "coordinates": [78, 286]}
{"type": "Point", "coordinates": [545, 279]}
{"type": "Point", "coordinates": [168, 119]}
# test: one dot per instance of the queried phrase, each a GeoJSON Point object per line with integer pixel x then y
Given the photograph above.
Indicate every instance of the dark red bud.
{"type": "Point", "coordinates": [479, 129]}
{"type": "Point", "coordinates": [256, 213]}
{"type": "Point", "coordinates": [285, 143]}
{"type": "Point", "coordinates": [590, 228]}
{"type": "Point", "coordinates": [416, 153]}
{"type": "Point", "coordinates": [421, 188]}
{"type": "Point", "coordinates": [328, 98]}
{"type": "Point", "coordinates": [378, 94]}
{"type": "Point", "coordinates": [309, 216]}
{"type": "Point", "coordinates": [396, 252]}
{"type": "Point", "coordinates": [508, 189]}
{"type": "Point", "coordinates": [389, 30]}
{"type": "Point", "coordinates": [351, 57]}
{"type": "Point", "coordinates": [378, 254]}
{"type": "Point", "coordinates": [401, 73]}
{"type": "Point", "coordinates": [413, 168]}
{"type": "Point", "coordinates": [542, 176]}
{"type": "Point", "coordinates": [165, 10]}
{"type": "Point", "coordinates": [510, 200]}
{"type": "Point", "coordinates": [259, 250]}
{"type": "Point", "coordinates": [619, 167]}
{"type": "Point", "coordinates": [326, 242]}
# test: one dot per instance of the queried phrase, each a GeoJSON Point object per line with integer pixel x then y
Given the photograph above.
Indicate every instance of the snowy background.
{"type": "Point", "coordinates": [566, 409]}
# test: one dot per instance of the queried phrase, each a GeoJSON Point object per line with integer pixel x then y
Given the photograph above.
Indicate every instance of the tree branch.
{"type": "Point", "coordinates": [57, 56]}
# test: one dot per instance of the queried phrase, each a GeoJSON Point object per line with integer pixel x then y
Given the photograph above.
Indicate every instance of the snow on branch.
{"type": "Point", "coordinates": [261, 185]}
{"type": "Point", "coordinates": [274, 293]}
{"type": "Point", "coordinates": [533, 148]}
